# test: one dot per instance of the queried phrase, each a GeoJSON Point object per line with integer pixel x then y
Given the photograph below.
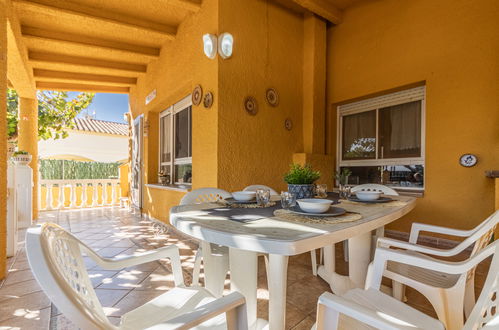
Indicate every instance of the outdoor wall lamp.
{"type": "Point", "coordinates": [223, 44]}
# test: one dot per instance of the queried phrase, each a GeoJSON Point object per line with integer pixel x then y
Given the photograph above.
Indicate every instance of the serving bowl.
{"type": "Point", "coordinates": [244, 196]}
{"type": "Point", "coordinates": [368, 195]}
{"type": "Point", "coordinates": [314, 205]}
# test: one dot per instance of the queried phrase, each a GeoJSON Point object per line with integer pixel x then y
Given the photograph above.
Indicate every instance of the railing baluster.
{"type": "Point", "coordinates": [95, 194]}
{"type": "Point", "coordinates": [72, 196]}
{"type": "Point", "coordinates": [84, 194]}
{"type": "Point", "coordinates": [48, 198]}
{"type": "Point", "coordinates": [113, 190]}
{"type": "Point", "coordinates": [104, 193]}
{"type": "Point", "coordinates": [61, 196]}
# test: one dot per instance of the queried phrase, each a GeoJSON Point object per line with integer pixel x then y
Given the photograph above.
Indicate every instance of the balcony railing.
{"type": "Point", "coordinates": [72, 194]}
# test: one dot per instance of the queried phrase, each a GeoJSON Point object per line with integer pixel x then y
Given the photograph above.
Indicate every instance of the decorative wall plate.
{"type": "Point", "coordinates": [197, 95]}
{"type": "Point", "coordinates": [208, 100]}
{"type": "Point", "coordinates": [468, 160]}
{"type": "Point", "coordinates": [272, 97]}
{"type": "Point", "coordinates": [250, 105]}
{"type": "Point", "coordinates": [288, 124]}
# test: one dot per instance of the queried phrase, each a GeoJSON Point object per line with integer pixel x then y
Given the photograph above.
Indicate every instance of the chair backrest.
{"type": "Point", "coordinates": [375, 187]}
{"type": "Point", "coordinates": [485, 314]}
{"type": "Point", "coordinates": [204, 195]}
{"type": "Point", "coordinates": [56, 261]}
{"type": "Point", "coordinates": [255, 187]}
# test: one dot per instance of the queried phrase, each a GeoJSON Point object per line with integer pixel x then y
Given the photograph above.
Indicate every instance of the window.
{"type": "Point", "coordinates": [381, 140]}
{"type": "Point", "coordinates": [175, 150]}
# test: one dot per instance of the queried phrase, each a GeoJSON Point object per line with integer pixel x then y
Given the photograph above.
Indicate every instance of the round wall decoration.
{"type": "Point", "coordinates": [208, 100]}
{"type": "Point", "coordinates": [197, 95]}
{"type": "Point", "coordinates": [272, 97]}
{"type": "Point", "coordinates": [468, 160]}
{"type": "Point", "coordinates": [288, 124]}
{"type": "Point", "coordinates": [250, 105]}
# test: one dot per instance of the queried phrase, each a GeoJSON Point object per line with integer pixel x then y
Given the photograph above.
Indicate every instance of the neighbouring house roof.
{"type": "Point", "coordinates": [100, 126]}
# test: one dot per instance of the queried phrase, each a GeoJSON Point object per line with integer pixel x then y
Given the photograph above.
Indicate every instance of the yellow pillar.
{"type": "Point", "coordinates": [314, 85]}
{"type": "Point", "coordinates": [28, 140]}
{"type": "Point", "coordinates": [3, 139]}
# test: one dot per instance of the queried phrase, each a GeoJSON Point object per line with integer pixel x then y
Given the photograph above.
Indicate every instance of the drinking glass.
{"type": "Point", "coordinates": [263, 197]}
{"type": "Point", "coordinates": [288, 200]}
{"type": "Point", "coordinates": [345, 191]}
{"type": "Point", "coordinates": [321, 190]}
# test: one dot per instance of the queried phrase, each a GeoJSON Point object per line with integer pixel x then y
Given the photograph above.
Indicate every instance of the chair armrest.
{"type": "Point", "coordinates": [383, 255]}
{"type": "Point", "coordinates": [233, 304]}
{"type": "Point", "coordinates": [419, 227]}
{"type": "Point", "coordinates": [354, 310]}
{"type": "Point", "coordinates": [168, 252]}
{"type": "Point", "coordinates": [389, 242]}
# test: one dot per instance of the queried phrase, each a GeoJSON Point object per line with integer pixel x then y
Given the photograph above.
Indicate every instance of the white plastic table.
{"type": "Point", "coordinates": [281, 239]}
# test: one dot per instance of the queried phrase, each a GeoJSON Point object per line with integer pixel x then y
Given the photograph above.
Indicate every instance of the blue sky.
{"type": "Point", "coordinates": [110, 107]}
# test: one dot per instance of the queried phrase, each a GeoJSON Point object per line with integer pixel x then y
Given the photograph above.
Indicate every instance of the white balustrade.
{"type": "Point", "coordinates": [78, 193]}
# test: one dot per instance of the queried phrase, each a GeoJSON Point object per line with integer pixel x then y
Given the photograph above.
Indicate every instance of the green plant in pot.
{"type": "Point", "coordinates": [300, 180]}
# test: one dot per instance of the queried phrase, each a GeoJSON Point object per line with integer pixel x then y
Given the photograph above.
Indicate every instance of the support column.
{"type": "Point", "coordinates": [28, 140]}
{"type": "Point", "coordinates": [314, 85]}
{"type": "Point", "coordinates": [3, 140]}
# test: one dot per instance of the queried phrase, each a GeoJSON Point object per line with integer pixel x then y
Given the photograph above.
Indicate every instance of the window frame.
{"type": "Point", "coordinates": [172, 110]}
{"type": "Point", "coordinates": [376, 103]}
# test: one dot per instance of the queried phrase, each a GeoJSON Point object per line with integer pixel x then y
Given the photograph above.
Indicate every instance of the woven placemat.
{"type": "Point", "coordinates": [393, 203]}
{"type": "Point", "coordinates": [288, 215]}
{"type": "Point", "coordinates": [244, 206]}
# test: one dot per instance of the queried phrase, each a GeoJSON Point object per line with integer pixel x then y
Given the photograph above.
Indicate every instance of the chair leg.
{"type": "Point", "coordinates": [345, 250]}
{"type": "Point", "coordinates": [448, 304]}
{"type": "Point", "coordinates": [469, 296]}
{"type": "Point", "coordinates": [197, 266]}
{"type": "Point", "coordinates": [313, 254]}
{"type": "Point", "coordinates": [321, 256]}
{"type": "Point", "coordinates": [398, 291]}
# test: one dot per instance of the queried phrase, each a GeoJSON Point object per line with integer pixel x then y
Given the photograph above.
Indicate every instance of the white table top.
{"type": "Point", "coordinates": [277, 236]}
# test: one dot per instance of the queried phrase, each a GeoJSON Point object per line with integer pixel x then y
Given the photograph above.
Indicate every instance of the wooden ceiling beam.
{"type": "Point", "coordinates": [191, 5]}
{"type": "Point", "coordinates": [39, 57]}
{"type": "Point", "coordinates": [60, 86]}
{"type": "Point", "coordinates": [61, 8]}
{"type": "Point", "coordinates": [322, 8]}
{"type": "Point", "coordinates": [67, 38]}
{"type": "Point", "coordinates": [63, 76]}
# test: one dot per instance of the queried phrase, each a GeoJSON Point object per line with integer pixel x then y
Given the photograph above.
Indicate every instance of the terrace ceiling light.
{"type": "Point", "coordinates": [210, 45]}
{"type": "Point", "coordinates": [225, 44]}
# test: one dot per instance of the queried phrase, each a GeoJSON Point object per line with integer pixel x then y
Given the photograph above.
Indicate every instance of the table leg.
{"type": "Point", "coordinates": [278, 271]}
{"type": "Point", "coordinates": [215, 269]}
{"type": "Point", "coordinates": [243, 278]}
{"type": "Point", "coordinates": [359, 250]}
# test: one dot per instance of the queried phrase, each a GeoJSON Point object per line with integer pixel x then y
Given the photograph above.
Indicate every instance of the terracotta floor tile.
{"type": "Point", "coordinates": [125, 279]}
{"type": "Point", "coordinates": [131, 301]}
{"type": "Point", "coordinates": [18, 289]}
{"type": "Point", "coordinates": [98, 276]}
{"type": "Point", "coordinates": [32, 320]}
{"type": "Point", "coordinates": [109, 297]}
{"type": "Point", "coordinates": [23, 306]}
{"type": "Point", "coordinates": [15, 276]}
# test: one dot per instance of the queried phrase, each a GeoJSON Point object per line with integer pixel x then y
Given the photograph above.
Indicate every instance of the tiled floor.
{"type": "Point", "coordinates": [114, 231]}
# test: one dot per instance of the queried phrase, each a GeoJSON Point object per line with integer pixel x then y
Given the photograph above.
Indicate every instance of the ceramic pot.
{"type": "Point", "coordinates": [21, 159]}
{"type": "Point", "coordinates": [302, 190]}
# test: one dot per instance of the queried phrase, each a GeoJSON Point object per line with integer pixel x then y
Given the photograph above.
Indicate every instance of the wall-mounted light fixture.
{"type": "Point", "coordinates": [210, 45]}
{"type": "Point", "coordinates": [223, 44]}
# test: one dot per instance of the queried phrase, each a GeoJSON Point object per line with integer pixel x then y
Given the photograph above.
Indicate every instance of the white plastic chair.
{"type": "Point", "coordinates": [380, 232]}
{"type": "Point", "coordinates": [372, 309]}
{"type": "Point", "coordinates": [55, 258]}
{"type": "Point", "coordinates": [449, 294]}
{"type": "Point", "coordinates": [255, 187]}
{"type": "Point", "coordinates": [220, 254]}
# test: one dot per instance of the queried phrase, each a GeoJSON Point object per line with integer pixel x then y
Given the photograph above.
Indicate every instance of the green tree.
{"type": "Point", "coordinates": [56, 113]}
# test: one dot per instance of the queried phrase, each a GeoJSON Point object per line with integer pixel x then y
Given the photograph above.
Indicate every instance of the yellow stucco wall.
{"type": "Point", "coordinates": [3, 142]}
{"type": "Point", "coordinates": [180, 67]}
{"type": "Point", "coordinates": [453, 46]}
{"type": "Point", "coordinates": [268, 52]}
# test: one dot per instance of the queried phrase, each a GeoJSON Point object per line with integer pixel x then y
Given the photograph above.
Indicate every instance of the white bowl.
{"type": "Point", "coordinates": [314, 205]}
{"type": "Point", "coordinates": [244, 196]}
{"type": "Point", "coordinates": [365, 195]}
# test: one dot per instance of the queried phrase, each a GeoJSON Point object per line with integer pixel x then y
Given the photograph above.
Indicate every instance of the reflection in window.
{"type": "Point", "coordinates": [359, 136]}
{"type": "Point", "coordinates": [397, 176]}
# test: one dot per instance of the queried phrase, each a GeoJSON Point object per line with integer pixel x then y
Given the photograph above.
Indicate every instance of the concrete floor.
{"type": "Point", "coordinates": [112, 232]}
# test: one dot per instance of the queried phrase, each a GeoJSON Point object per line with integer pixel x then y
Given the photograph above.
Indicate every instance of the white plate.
{"type": "Point", "coordinates": [332, 212]}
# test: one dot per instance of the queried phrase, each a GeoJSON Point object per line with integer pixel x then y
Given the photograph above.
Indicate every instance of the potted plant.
{"type": "Point", "coordinates": [21, 157]}
{"type": "Point", "coordinates": [300, 180]}
{"type": "Point", "coordinates": [164, 178]}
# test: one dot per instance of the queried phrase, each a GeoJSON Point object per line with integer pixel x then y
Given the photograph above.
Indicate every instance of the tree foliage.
{"type": "Point", "coordinates": [56, 113]}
